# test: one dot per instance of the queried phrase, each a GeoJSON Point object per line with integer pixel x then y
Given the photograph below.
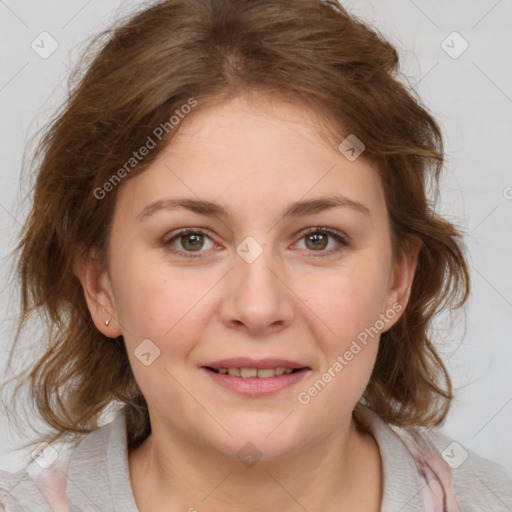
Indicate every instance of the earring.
{"type": "Point", "coordinates": [107, 322]}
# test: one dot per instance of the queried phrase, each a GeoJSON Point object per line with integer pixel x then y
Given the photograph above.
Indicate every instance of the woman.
{"type": "Point", "coordinates": [230, 235]}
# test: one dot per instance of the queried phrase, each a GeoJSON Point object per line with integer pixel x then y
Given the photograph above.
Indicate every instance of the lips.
{"type": "Point", "coordinates": [245, 362]}
{"type": "Point", "coordinates": [255, 377]}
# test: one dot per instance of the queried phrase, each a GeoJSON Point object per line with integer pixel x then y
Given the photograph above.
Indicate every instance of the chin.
{"type": "Point", "coordinates": [265, 440]}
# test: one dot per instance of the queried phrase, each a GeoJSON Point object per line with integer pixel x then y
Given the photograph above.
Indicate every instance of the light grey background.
{"type": "Point", "coordinates": [471, 96]}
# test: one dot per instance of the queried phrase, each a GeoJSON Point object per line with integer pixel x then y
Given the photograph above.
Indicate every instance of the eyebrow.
{"type": "Point", "coordinates": [296, 209]}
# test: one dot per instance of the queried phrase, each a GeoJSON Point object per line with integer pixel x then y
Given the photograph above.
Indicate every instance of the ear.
{"type": "Point", "coordinates": [98, 292]}
{"type": "Point", "coordinates": [402, 278]}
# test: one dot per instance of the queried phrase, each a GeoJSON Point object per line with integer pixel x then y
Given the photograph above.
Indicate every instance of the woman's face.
{"type": "Point", "coordinates": [288, 264]}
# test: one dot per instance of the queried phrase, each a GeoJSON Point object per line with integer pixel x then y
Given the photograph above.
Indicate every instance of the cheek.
{"type": "Point", "coordinates": [346, 301]}
{"type": "Point", "coordinates": [345, 321]}
{"type": "Point", "coordinates": [167, 307]}
{"type": "Point", "coordinates": [158, 302]}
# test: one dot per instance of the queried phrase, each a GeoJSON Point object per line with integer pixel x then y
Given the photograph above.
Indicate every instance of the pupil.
{"type": "Point", "coordinates": [196, 241]}
{"type": "Point", "coordinates": [318, 240]}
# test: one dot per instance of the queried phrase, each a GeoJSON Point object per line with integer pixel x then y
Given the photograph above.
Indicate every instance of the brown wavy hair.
{"type": "Point", "coordinates": [133, 77]}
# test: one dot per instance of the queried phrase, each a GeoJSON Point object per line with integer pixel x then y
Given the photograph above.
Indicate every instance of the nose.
{"type": "Point", "coordinates": [257, 298]}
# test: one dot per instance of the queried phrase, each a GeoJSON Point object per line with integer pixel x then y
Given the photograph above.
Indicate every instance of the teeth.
{"type": "Point", "coordinates": [248, 372]}
{"type": "Point", "coordinates": [265, 373]}
{"type": "Point", "coordinates": [262, 373]}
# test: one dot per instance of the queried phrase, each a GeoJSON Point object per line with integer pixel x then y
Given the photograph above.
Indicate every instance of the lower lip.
{"type": "Point", "coordinates": [255, 386]}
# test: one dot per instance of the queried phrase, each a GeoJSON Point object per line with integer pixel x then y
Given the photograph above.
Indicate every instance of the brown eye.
{"type": "Point", "coordinates": [189, 242]}
{"type": "Point", "coordinates": [324, 241]}
{"type": "Point", "coordinates": [192, 242]}
{"type": "Point", "coordinates": [317, 241]}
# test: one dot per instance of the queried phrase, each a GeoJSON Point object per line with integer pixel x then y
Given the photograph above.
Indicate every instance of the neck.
{"type": "Point", "coordinates": [342, 472]}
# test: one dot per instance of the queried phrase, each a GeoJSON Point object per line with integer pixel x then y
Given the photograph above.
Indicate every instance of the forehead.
{"type": "Point", "coordinates": [253, 154]}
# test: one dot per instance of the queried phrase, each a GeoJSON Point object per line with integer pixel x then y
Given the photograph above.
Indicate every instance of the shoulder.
{"type": "Point", "coordinates": [94, 464]}
{"type": "Point", "coordinates": [40, 485]}
{"type": "Point", "coordinates": [477, 482]}
{"type": "Point", "coordinates": [18, 493]}
{"type": "Point", "coordinates": [454, 474]}
{"type": "Point", "coordinates": [450, 476]}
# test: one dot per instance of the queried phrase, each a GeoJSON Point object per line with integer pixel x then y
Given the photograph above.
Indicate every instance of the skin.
{"type": "Point", "coordinates": [294, 301]}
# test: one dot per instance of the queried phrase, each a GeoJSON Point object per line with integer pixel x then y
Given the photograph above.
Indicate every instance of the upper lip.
{"type": "Point", "coordinates": [246, 362]}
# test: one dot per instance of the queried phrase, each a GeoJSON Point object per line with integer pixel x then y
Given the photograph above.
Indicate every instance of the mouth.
{"type": "Point", "coordinates": [255, 378]}
{"type": "Point", "coordinates": [251, 373]}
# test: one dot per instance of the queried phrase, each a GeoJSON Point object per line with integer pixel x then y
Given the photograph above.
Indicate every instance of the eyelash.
{"type": "Point", "coordinates": [339, 237]}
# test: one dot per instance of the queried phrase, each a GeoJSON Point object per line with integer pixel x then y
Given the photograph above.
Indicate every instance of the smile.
{"type": "Point", "coordinates": [260, 373]}
{"type": "Point", "coordinates": [256, 382]}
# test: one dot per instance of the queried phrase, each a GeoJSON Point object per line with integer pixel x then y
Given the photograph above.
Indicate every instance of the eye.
{"type": "Point", "coordinates": [189, 241]}
{"type": "Point", "coordinates": [317, 240]}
